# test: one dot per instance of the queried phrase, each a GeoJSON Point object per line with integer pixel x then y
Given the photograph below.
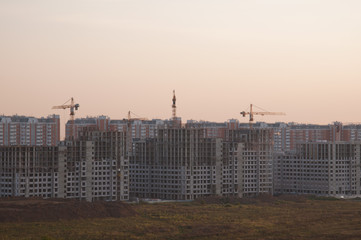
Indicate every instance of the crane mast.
{"type": "Point", "coordinates": [174, 110]}
{"type": "Point", "coordinates": [72, 106]}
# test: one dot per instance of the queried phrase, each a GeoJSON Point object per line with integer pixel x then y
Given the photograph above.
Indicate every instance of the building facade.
{"type": "Point", "coordinates": [256, 159]}
{"type": "Point", "coordinates": [29, 131]}
{"type": "Point", "coordinates": [30, 171]}
{"type": "Point", "coordinates": [139, 129]}
{"type": "Point", "coordinates": [320, 168]}
{"type": "Point", "coordinates": [91, 168]}
{"type": "Point", "coordinates": [182, 164]}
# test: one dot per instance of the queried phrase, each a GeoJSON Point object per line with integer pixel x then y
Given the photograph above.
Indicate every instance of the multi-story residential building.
{"type": "Point", "coordinates": [211, 129]}
{"type": "Point", "coordinates": [96, 166]}
{"type": "Point", "coordinates": [29, 131]}
{"type": "Point", "coordinates": [30, 171]}
{"type": "Point", "coordinates": [100, 123]}
{"type": "Point", "coordinates": [256, 159]}
{"type": "Point", "coordinates": [351, 132]}
{"type": "Point", "coordinates": [287, 135]}
{"type": "Point", "coordinates": [91, 168]}
{"type": "Point", "coordinates": [139, 129]}
{"type": "Point", "coordinates": [181, 163]}
{"type": "Point", "coordinates": [322, 168]}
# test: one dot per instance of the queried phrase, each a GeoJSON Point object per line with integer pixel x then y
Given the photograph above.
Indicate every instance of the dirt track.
{"type": "Point", "coordinates": [34, 209]}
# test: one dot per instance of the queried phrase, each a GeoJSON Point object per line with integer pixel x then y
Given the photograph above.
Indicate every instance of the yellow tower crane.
{"type": "Point", "coordinates": [73, 106]}
{"type": "Point", "coordinates": [251, 113]}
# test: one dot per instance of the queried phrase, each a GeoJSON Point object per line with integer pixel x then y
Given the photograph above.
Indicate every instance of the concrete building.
{"type": "Point", "coordinates": [140, 129]}
{"type": "Point", "coordinates": [29, 131]}
{"type": "Point", "coordinates": [321, 168]}
{"type": "Point", "coordinates": [211, 129]}
{"type": "Point", "coordinates": [100, 123]}
{"type": "Point", "coordinates": [96, 166]}
{"type": "Point", "coordinates": [351, 132]}
{"type": "Point", "coordinates": [287, 135]}
{"type": "Point", "coordinates": [30, 171]}
{"type": "Point", "coordinates": [91, 168]}
{"type": "Point", "coordinates": [181, 164]}
{"type": "Point", "coordinates": [256, 158]}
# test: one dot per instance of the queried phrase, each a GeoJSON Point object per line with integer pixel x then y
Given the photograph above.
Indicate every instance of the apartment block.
{"type": "Point", "coordinates": [28, 131]}
{"type": "Point", "coordinates": [96, 166]}
{"type": "Point", "coordinates": [287, 135]}
{"type": "Point", "coordinates": [256, 158]}
{"type": "Point", "coordinates": [30, 171]}
{"type": "Point", "coordinates": [321, 168]}
{"type": "Point", "coordinates": [100, 123]}
{"type": "Point", "coordinates": [139, 129]}
{"type": "Point", "coordinates": [181, 164]}
{"type": "Point", "coordinates": [211, 129]}
{"type": "Point", "coordinates": [90, 168]}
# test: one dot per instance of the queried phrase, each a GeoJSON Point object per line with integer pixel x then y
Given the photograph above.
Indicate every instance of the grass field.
{"type": "Point", "coordinates": [276, 219]}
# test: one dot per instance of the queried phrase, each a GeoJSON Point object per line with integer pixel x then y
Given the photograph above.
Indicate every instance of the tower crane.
{"type": "Point", "coordinates": [174, 107]}
{"type": "Point", "coordinates": [129, 137]}
{"type": "Point", "coordinates": [137, 117]}
{"type": "Point", "coordinates": [251, 113]}
{"type": "Point", "coordinates": [174, 110]}
{"type": "Point", "coordinates": [73, 106]}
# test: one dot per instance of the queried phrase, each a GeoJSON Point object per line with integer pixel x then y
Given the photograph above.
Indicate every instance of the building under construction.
{"type": "Point", "coordinates": [96, 166]}
{"type": "Point", "coordinates": [256, 158]}
{"type": "Point", "coordinates": [167, 160]}
{"type": "Point", "coordinates": [29, 171]}
{"type": "Point", "coordinates": [181, 163]}
{"type": "Point", "coordinates": [320, 168]}
{"type": "Point", "coordinates": [90, 168]}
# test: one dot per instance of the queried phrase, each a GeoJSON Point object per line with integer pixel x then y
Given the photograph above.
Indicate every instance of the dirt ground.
{"type": "Point", "coordinates": [263, 217]}
{"type": "Point", "coordinates": [261, 199]}
{"type": "Point", "coordinates": [37, 209]}
{"type": "Point", "coordinates": [44, 210]}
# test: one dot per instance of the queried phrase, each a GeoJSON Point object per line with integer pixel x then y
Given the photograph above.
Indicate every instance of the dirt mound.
{"type": "Point", "coordinates": [35, 209]}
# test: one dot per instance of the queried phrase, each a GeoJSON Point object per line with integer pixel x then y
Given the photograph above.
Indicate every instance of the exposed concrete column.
{"type": "Point", "coordinates": [358, 167]}
{"type": "Point", "coordinates": [26, 172]}
{"type": "Point", "coordinates": [61, 171]}
{"type": "Point", "coordinates": [219, 167]}
{"type": "Point", "coordinates": [240, 161]}
{"type": "Point", "coordinates": [330, 164]}
{"type": "Point", "coordinates": [89, 158]}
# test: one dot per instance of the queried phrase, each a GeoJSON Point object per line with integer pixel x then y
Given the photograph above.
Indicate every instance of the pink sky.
{"type": "Point", "coordinates": [301, 57]}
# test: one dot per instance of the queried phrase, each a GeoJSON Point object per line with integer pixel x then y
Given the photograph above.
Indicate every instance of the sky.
{"type": "Point", "coordinates": [301, 57]}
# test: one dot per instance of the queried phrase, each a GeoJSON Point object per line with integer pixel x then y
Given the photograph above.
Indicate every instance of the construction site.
{"type": "Point", "coordinates": [114, 160]}
{"type": "Point", "coordinates": [132, 158]}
